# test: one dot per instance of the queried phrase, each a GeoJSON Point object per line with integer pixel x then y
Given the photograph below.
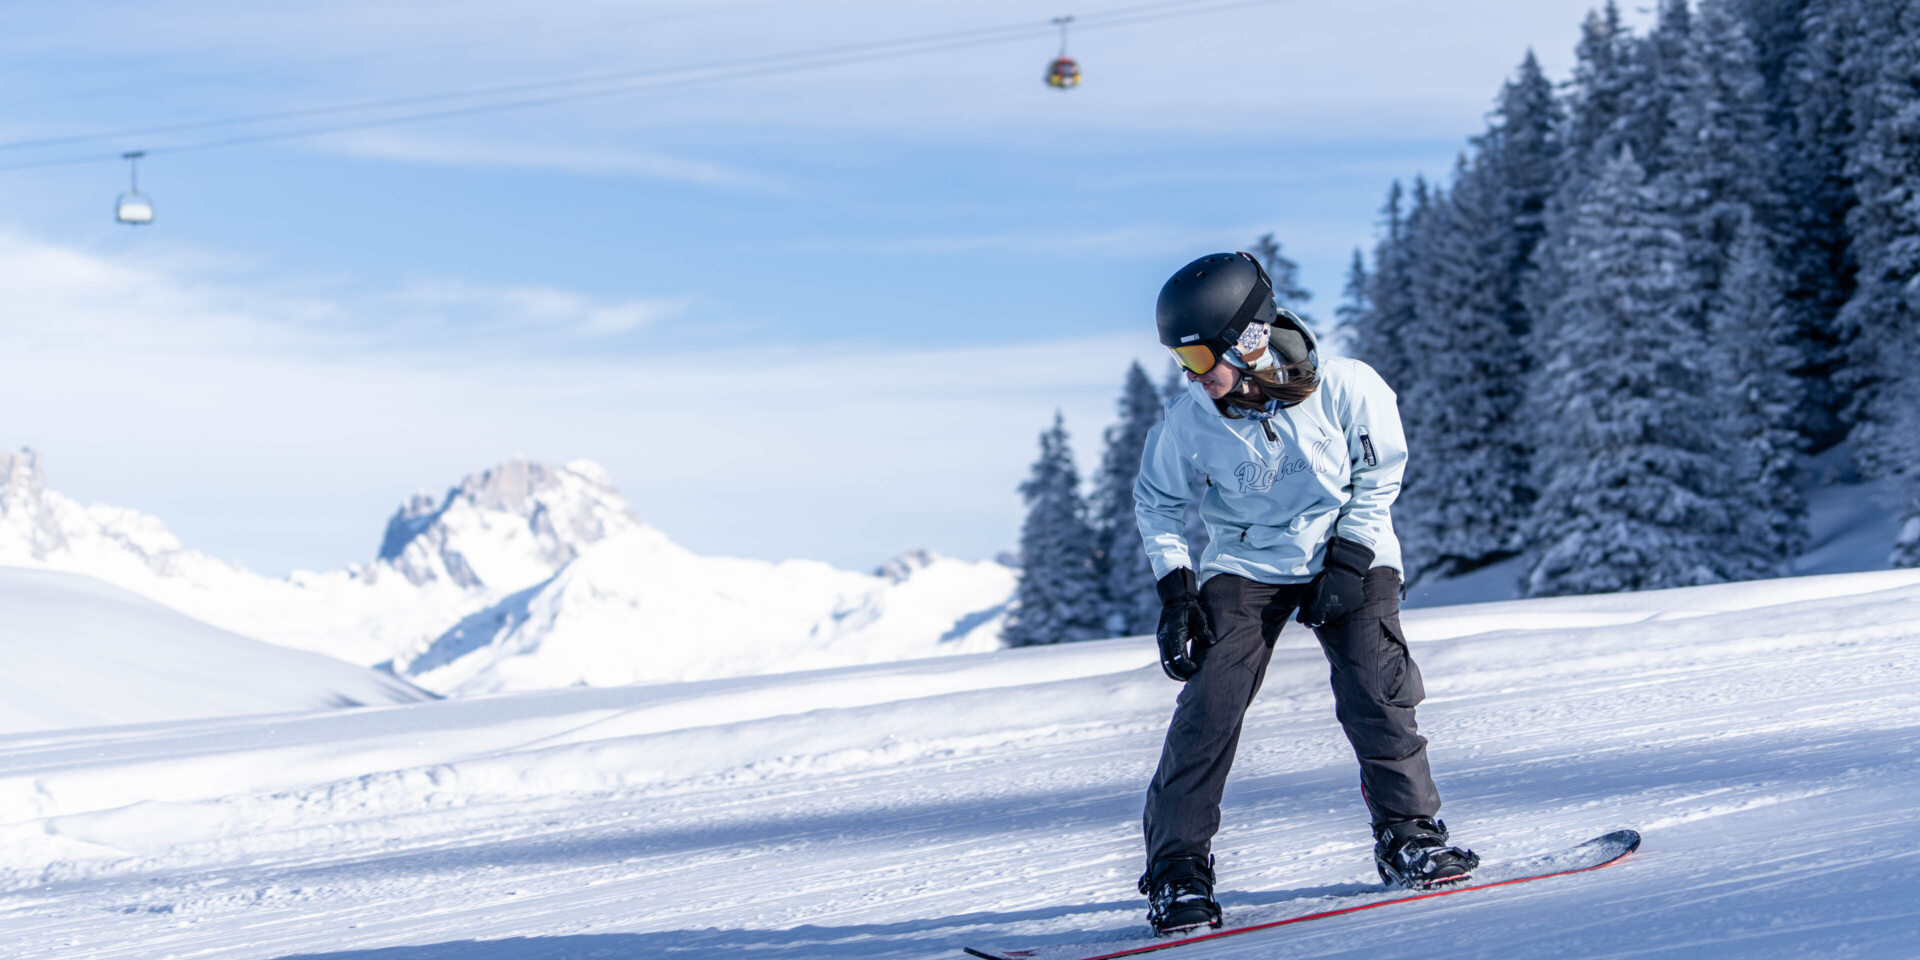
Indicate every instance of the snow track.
{"type": "Point", "coordinates": [1765, 739]}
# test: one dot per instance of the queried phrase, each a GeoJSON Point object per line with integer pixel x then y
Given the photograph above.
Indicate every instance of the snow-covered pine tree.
{"type": "Point", "coordinates": [1523, 152]}
{"type": "Point", "coordinates": [1629, 470]}
{"type": "Point", "coordinates": [1814, 139]}
{"type": "Point", "coordinates": [1661, 81]}
{"type": "Point", "coordinates": [1386, 301]}
{"type": "Point", "coordinates": [1126, 577]}
{"type": "Point", "coordinates": [1389, 299]}
{"type": "Point", "coordinates": [1777, 30]}
{"type": "Point", "coordinates": [1058, 598]}
{"type": "Point", "coordinates": [1466, 489]}
{"type": "Point", "coordinates": [1472, 490]}
{"type": "Point", "coordinates": [1718, 145]}
{"type": "Point", "coordinates": [1752, 354]}
{"type": "Point", "coordinates": [1285, 274]}
{"type": "Point", "coordinates": [1422, 256]}
{"type": "Point", "coordinates": [1721, 178]}
{"type": "Point", "coordinates": [1598, 109]}
{"type": "Point", "coordinates": [1882, 319]}
{"type": "Point", "coordinates": [1602, 95]}
{"type": "Point", "coordinates": [1354, 306]}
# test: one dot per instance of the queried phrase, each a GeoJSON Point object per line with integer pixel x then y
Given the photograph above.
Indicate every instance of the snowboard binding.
{"type": "Point", "coordinates": [1415, 854]}
{"type": "Point", "coordinates": [1179, 894]}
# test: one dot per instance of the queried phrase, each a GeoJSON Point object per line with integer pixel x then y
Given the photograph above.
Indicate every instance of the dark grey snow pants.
{"type": "Point", "coordinates": [1375, 688]}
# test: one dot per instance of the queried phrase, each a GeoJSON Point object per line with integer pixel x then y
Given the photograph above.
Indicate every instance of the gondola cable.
{"type": "Point", "coordinates": [634, 83]}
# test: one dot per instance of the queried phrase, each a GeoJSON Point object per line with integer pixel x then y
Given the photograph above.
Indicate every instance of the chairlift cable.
{"type": "Point", "coordinates": [1004, 32]}
{"type": "Point", "coordinates": [635, 83]}
{"type": "Point", "coordinates": [1009, 31]}
{"type": "Point", "coordinates": [417, 100]}
{"type": "Point", "coordinates": [387, 54]}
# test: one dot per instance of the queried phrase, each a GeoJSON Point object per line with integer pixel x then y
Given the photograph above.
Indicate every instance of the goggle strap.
{"type": "Point", "coordinates": [1256, 298]}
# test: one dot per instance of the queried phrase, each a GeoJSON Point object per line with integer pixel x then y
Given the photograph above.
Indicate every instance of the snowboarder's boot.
{"type": "Point", "coordinates": [1415, 854]}
{"type": "Point", "coordinates": [1180, 894]}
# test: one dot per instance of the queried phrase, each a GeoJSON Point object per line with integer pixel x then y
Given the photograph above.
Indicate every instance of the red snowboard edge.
{"type": "Point", "coordinates": [1631, 845]}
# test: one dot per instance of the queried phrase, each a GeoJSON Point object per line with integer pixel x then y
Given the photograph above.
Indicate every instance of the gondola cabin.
{"type": "Point", "coordinates": [1063, 73]}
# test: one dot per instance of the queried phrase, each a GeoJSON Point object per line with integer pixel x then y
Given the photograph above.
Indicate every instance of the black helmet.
{"type": "Point", "coordinates": [1207, 304]}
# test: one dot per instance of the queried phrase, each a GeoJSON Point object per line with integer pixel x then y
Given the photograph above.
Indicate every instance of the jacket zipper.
{"type": "Point", "coordinates": [1272, 437]}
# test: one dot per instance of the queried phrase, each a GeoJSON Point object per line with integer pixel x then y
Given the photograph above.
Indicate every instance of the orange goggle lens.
{"type": "Point", "coordinates": [1197, 358]}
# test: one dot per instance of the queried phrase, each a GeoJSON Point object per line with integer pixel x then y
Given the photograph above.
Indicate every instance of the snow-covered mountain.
{"type": "Point", "coordinates": [504, 528]}
{"type": "Point", "coordinates": [523, 576]}
{"type": "Point", "coordinates": [76, 652]}
{"type": "Point", "coordinates": [641, 607]}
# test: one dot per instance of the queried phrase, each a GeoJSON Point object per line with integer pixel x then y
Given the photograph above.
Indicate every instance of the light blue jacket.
{"type": "Point", "coordinates": [1271, 503]}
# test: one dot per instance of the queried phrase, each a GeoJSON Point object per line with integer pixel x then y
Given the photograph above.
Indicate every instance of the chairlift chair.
{"type": "Point", "coordinates": [133, 207]}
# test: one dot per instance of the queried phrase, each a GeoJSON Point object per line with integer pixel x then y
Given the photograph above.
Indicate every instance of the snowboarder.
{"type": "Point", "coordinates": [1302, 455]}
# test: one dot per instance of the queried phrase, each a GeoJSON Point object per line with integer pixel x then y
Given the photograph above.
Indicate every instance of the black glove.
{"type": "Point", "coordinates": [1184, 632]}
{"type": "Point", "coordinates": [1338, 590]}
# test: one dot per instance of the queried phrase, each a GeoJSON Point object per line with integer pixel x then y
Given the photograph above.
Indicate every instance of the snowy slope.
{"type": "Point", "coordinates": [1764, 737]}
{"type": "Point", "coordinates": [525, 576]}
{"type": "Point", "coordinates": [76, 652]}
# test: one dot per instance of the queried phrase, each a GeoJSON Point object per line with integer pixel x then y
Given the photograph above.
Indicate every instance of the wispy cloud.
{"type": "Point", "coordinates": [185, 301]}
{"type": "Point", "coordinates": [193, 399]}
{"type": "Point", "coordinates": [539, 310]}
{"type": "Point", "coordinates": [168, 300]}
{"type": "Point", "coordinates": [1139, 240]}
{"type": "Point", "coordinates": [556, 157]}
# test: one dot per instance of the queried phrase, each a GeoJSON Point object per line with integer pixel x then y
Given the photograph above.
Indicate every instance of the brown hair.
{"type": "Point", "coordinates": [1288, 383]}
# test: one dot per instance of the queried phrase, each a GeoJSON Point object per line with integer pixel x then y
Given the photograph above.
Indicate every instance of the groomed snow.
{"type": "Point", "coordinates": [1764, 737]}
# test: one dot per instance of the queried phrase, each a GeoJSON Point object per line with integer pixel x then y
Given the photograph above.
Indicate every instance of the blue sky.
{"type": "Point", "coordinates": [818, 314]}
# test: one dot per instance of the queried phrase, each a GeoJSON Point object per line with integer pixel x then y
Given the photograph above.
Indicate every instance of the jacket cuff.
{"type": "Point", "coordinates": [1349, 555]}
{"type": "Point", "coordinates": [1178, 584]}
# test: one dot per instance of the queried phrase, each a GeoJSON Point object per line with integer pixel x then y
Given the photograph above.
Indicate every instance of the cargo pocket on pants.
{"type": "Point", "coordinates": [1401, 680]}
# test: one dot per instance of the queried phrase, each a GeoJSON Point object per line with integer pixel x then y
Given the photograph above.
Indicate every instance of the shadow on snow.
{"type": "Point", "coordinates": [942, 936]}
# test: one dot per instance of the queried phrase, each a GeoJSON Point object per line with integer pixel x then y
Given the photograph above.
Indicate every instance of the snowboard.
{"type": "Point", "coordinates": [1599, 852]}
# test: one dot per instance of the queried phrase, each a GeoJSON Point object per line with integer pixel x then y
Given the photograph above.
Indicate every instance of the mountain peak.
{"type": "Point", "coordinates": [23, 504]}
{"type": "Point", "coordinates": [902, 565]}
{"type": "Point", "coordinates": [20, 479]}
{"type": "Point", "coordinates": [506, 527]}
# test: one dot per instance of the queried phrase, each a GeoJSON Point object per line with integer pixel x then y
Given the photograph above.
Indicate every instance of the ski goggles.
{"type": "Point", "coordinates": [1196, 358]}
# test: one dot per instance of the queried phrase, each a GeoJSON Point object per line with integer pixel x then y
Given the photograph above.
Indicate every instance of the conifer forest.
{"type": "Point", "coordinates": [1647, 296]}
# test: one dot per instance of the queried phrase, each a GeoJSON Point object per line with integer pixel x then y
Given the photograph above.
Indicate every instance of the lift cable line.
{"type": "Point", "coordinates": [706, 8]}
{"type": "Point", "coordinates": [985, 35]}
{"type": "Point", "coordinates": [613, 84]}
{"type": "Point", "coordinates": [493, 91]}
